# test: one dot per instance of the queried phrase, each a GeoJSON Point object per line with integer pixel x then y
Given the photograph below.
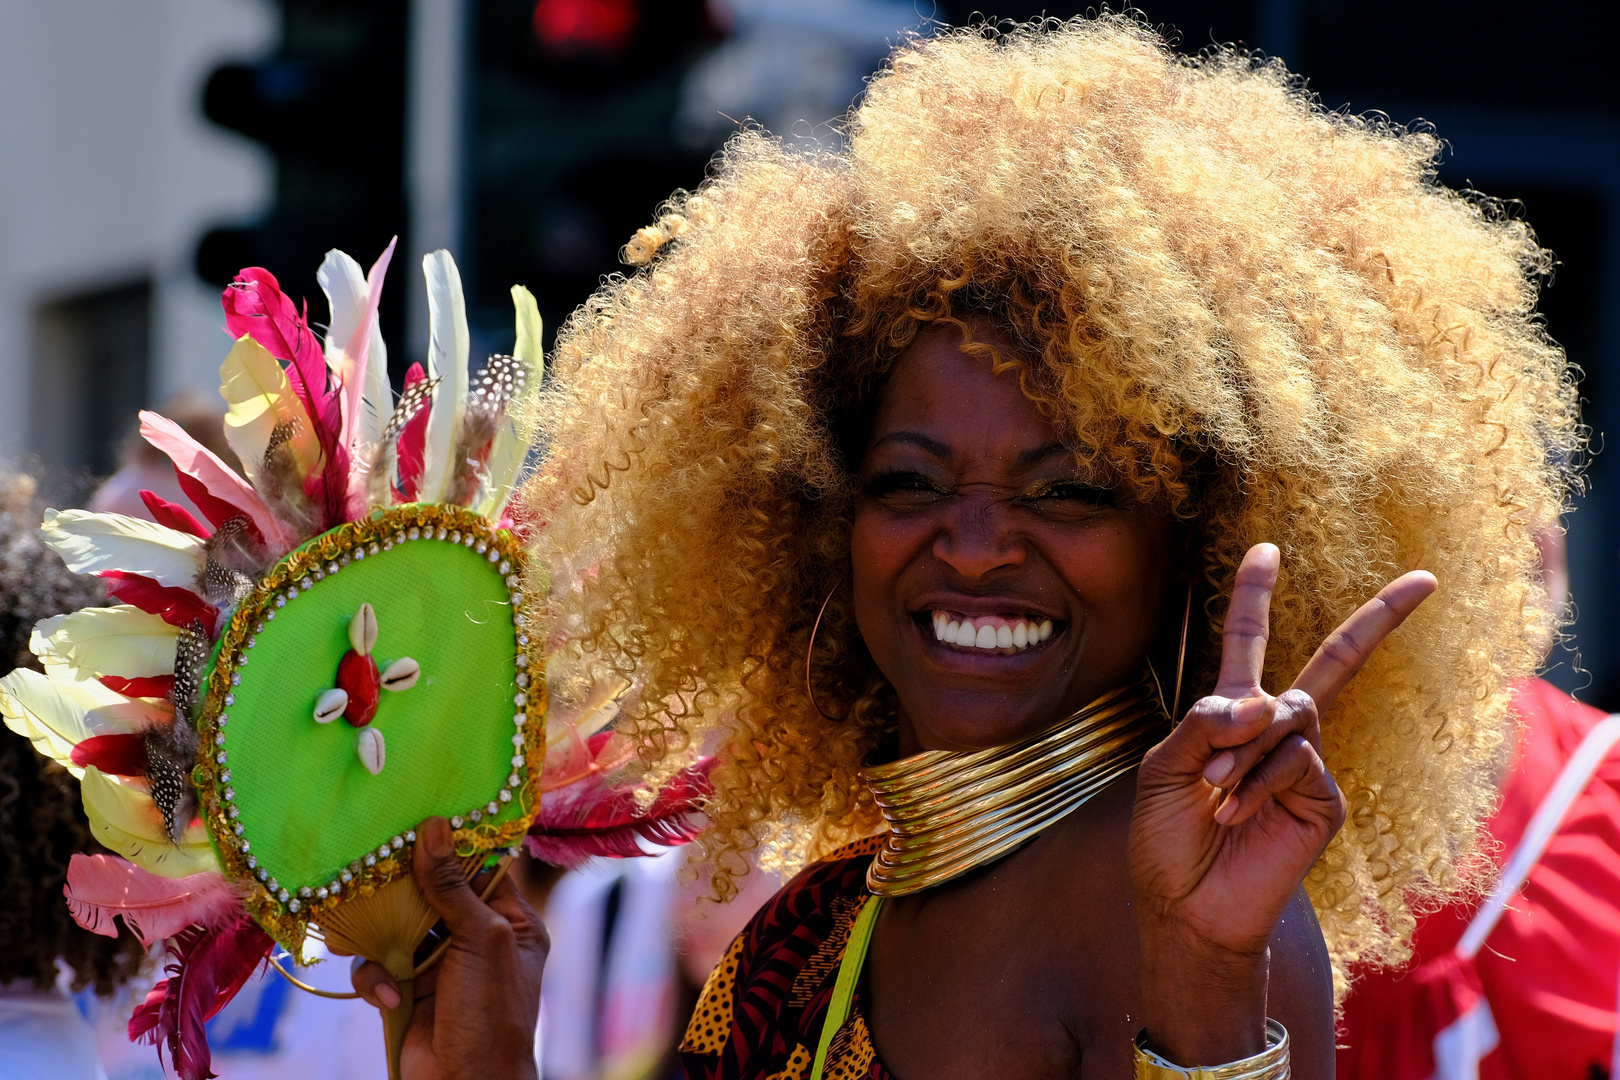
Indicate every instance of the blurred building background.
{"type": "Point", "coordinates": [153, 148]}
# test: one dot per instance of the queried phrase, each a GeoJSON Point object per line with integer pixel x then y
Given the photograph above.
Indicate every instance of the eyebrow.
{"type": "Point", "coordinates": [928, 445]}
{"type": "Point", "coordinates": [1040, 454]}
{"type": "Point", "coordinates": [940, 450]}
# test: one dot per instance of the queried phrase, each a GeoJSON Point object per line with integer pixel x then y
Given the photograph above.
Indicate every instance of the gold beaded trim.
{"type": "Point", "coordinates": [286, 915]}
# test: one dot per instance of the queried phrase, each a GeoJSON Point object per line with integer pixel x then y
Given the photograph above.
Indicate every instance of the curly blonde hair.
{"type": "Point", "coordinates": [1269, 318]}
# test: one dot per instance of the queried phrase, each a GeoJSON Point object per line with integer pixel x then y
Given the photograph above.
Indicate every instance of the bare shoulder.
{"type": "Point", "coordinates": [1300, 992]}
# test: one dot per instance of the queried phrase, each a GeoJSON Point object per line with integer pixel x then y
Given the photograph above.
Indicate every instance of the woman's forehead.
{"type": "Point", "coordinates": [941, 398]}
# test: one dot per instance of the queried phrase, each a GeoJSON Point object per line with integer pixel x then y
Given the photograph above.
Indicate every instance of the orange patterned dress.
{"type": "Point", "coordinates": [761, 1012]}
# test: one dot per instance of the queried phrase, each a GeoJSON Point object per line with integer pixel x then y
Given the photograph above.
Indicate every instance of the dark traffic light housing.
{"type": "Point", "coordinates": [329, 104]}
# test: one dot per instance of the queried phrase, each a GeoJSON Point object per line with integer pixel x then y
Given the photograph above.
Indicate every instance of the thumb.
{"type": "Point", "coordinates": [443, 880]}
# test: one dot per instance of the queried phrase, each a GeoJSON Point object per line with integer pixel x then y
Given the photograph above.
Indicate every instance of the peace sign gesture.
{"type": "Point", "coordinates": [1235, 805]}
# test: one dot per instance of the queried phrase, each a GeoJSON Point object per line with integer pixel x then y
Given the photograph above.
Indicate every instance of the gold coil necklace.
{"type": "Point", "coordinates": [951, 811]}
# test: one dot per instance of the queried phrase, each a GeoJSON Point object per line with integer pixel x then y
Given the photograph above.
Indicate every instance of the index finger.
{"type": "Point", "coordinates": [1248, 623]}
{"type": "Point", "coordinates": [1344, 652]}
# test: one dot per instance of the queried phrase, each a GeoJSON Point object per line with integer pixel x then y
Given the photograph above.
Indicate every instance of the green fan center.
{"type": "Point", "coordinates": [308, 806]}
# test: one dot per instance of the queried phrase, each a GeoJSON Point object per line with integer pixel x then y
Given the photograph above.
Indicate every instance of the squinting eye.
{"type": "Point", "coordinates": [1074, 489]}
{"type": "Point", "coordinates": [904, 489]}
{"type": "Point", "coordinates": [1068, 496]}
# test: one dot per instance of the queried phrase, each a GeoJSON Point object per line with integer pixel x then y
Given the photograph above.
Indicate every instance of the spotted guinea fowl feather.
{"type": "Point", "coordinates": [389, 452]}
{"type": "Point", "coordinates": [495, 385]}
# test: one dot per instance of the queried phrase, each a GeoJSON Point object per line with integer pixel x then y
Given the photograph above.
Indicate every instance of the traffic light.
{"type": "Point", "coordinates": [569, 143]}
{"type": "Point", "coordinates": [330, 106]}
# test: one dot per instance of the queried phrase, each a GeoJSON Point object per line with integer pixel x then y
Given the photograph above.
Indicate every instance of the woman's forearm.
{"type": "Point", "coordinates": [1201, 1006]}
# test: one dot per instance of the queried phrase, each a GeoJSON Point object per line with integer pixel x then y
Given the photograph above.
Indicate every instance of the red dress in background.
{"type": "Point", "coordinates": [1544, 985]}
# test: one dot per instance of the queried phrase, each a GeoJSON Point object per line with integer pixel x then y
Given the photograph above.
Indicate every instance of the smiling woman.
{"type": "Point", "coordinates": [922, 477]}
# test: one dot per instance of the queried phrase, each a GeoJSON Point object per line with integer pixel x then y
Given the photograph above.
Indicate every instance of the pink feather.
{"type": "Point", "coordinates": [358, 350]}
{"type": "Point", "coordinates": [157, 686]}
{"type": "Point", "coordinates": [589, 818]}
{"type": "Point", "coordinates": [173, 515]}
{"type": "Point", "coordinates": [193, 459]}
{"type": "Point", "coordinates": [412, 443]}
{"type": "Point", "coordinates": [101, 888]}
{"type": "Point", "coordinates": [210, 966]}
{"type": "Point", "coordinates": [255, 305]}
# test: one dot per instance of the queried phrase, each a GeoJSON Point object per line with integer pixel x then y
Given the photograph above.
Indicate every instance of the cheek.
{"type": "Point", "coordinates": [881, 547]}
{"type": "Point", "coordinates": [1120, 572]}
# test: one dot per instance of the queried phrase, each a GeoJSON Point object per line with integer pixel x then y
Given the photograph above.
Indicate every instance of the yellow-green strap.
{"type": "Point", "coordinates": [849, 975]}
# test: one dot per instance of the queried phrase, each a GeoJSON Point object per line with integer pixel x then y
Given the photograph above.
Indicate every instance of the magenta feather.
{"type": "Point", "coordinates": [412, 443]}
{"type": "Point", "coordinates": [173, 515]}
{"type": "Point", "coordinates": [102, 888]}
{"type": "Point", "coordinates": [174, 605]}
{"type": "Point", "coordinates": [210, 966]}
{"type": "Point", "coordinates": [589, 817]}
{"type": "Point", "coordinates": [117, 754]}
{"type": "Point", "coordinates": [255, 305]}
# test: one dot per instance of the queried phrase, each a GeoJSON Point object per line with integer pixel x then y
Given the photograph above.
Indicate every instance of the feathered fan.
{"type": "Point", "coordinates": [364, 569]}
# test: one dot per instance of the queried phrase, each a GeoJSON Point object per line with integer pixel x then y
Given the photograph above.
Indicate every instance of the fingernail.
{"type": "Point", "coordinates": [388, 996]}
{"type": "Point", "coordinates": [1227, 810]}
{"type": "Point", "coordinates": [1220, 767]}
{"type": "Point", "coordinates": [436, 837]}
{"type": "Point", "coordinates": [1251, 709]}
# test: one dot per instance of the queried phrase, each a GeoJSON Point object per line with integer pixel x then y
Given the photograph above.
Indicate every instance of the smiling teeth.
{"type": "Point", "coordinates": [990, 633]}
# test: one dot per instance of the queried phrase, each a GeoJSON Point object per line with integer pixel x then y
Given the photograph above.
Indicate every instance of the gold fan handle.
{"type": "Point", "coordinates": [433, 958]}
{"type": "Point", "coordinates": [397, 1021]}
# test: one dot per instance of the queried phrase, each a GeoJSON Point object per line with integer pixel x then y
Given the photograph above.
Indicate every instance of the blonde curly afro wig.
{"type": "Point", "coordinates": [1269, 318]}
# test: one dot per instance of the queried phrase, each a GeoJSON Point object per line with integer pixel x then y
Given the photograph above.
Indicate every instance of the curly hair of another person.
{"type": "Point", "coordinates": [1267, 317]}
{"type": "Point", "coordinates": [42, 822]}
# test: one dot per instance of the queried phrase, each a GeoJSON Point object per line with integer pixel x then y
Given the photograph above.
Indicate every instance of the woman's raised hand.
{"type": "Point", "coordinates": [476, 1009]}
{"type": "Point", "coordinates": [1232, 809]}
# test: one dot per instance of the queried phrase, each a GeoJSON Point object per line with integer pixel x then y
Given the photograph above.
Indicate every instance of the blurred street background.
{"type": "Point", "coordinates": [153, 147]}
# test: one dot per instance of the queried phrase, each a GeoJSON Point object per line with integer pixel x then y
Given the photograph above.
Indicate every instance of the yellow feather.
{"type": "Point", "coordinates": [599, 709]}
{"type": "Point", "coordinates": [57, 714]}
{"type": "Point", "coordinates": [124, 818]}
{"type": "Point", "coordinates": [90, 542]}
{"type": "Point", "coordinates": [258, 396]}
{"type": "Point", "coordinates": [122, 640]}
{"type": "Point", "coordinates": [512, 440]}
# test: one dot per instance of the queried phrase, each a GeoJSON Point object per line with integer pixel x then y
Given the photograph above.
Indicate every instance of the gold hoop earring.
{"type": "Point", "coordinates": [810, 652]}
{"type": "Point", "coordinates": [1181, 653]}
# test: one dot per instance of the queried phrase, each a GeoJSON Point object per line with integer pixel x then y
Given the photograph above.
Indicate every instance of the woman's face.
{"type": "Point", "coordinates": [998, 585]}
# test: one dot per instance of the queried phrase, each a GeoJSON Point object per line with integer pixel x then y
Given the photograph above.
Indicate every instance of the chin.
{"type": "Point", "coordinates": [968, 720]}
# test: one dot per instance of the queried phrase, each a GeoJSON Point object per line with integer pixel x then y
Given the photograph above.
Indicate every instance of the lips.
{"type": "Point", "coordinates": [1009, 633]}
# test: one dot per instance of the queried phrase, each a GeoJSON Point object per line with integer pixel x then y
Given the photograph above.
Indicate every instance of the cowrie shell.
{"type": "Point", "coordinates": [330, 705]}
{"type": "Point", "coordinates": [373, 753]}
{"type": "Point", "coordinates": [363, 630]}
{"type": "Point", "coordinates": [401, 674]}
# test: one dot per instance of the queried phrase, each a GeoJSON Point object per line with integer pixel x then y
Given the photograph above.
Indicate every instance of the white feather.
{"type": "Point", "coordinates": [122, 640]}
{"type": "Point", "coordinates": [56, 714]}
{"type": "Point", "coordinates": [90, 543]}
{"type": "Point", "coordinates": [511, 444]}
{"type": "Point", "coordinates": [347, 295]}
{"type": "Point", "coordinates": [448, 345]}
{"type": "Point", "coordinates": [124, 818]}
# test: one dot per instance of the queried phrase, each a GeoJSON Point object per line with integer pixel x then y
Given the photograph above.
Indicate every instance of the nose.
{"type": "Point", "coordinates": [977, 536]}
